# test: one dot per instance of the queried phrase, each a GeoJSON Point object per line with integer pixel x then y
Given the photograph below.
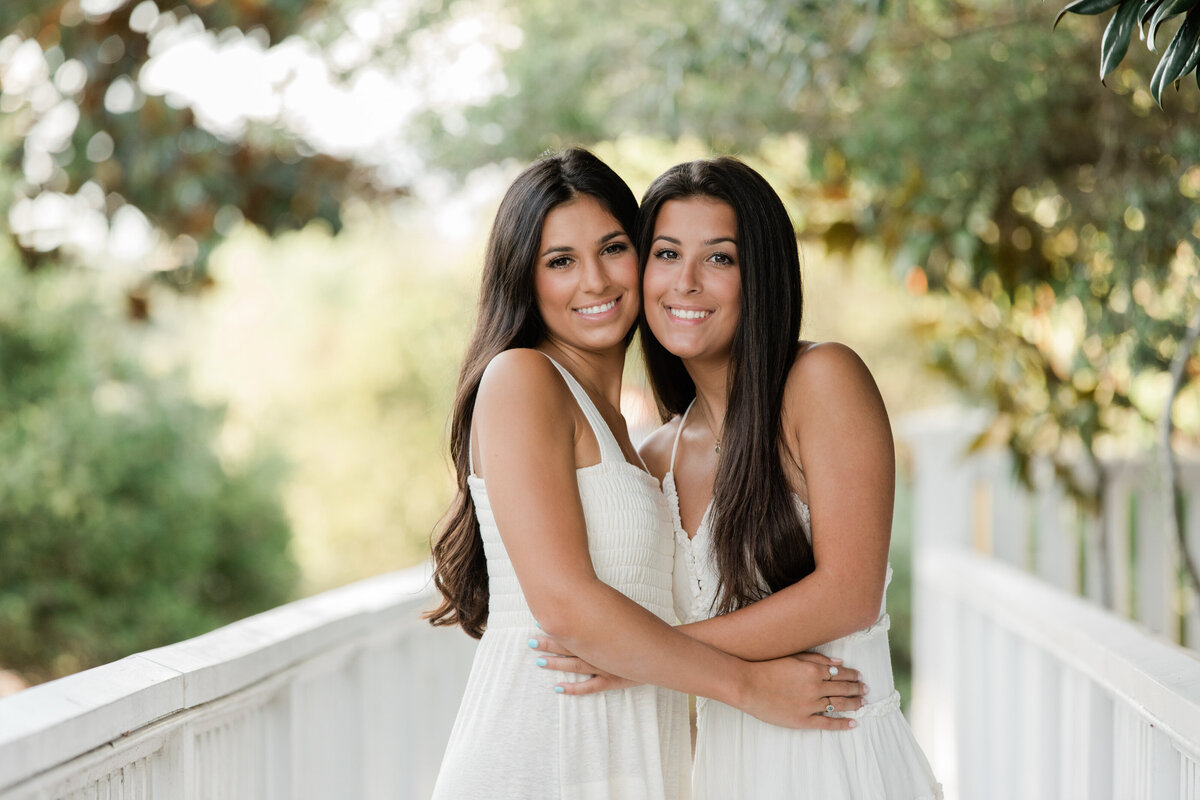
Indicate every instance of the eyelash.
{"type": "Point", "coordinates": [612, 249]}
{"type": "Point", "coordinates": [721, 259]}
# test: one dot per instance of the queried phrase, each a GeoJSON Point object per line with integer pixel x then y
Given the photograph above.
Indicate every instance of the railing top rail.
{"type": "Point", "coordinates": [39, 726]}
{"type": "Point", "coordinates": [1160, 678]}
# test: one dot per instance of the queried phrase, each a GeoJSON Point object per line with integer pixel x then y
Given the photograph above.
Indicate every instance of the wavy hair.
{"type": "Point", "coordinates": [507, 318]}
{"type": "Point", "coordinates": [757, 539]}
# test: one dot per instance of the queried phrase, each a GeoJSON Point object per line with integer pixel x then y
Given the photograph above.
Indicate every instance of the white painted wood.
{"type": "Point", "coordinates": [1190, 597]}
{"type": "Point", "coordinates": [943, 474]}
{"type": "Point", "coordinates": [1066, 654]}
{"type": "Point", "coordinates": [1094, 564]}
{"type": "Point", "coordinates": [1117, 549]}
{"type": "Point", "coordinates": [313, 699]}
{"type": "Point", "coordinates": [1154, 582]}
{"type": "Point", "coordinates": [1011, 510]}
{"type": "Point", "coordinates": [1055, 546]}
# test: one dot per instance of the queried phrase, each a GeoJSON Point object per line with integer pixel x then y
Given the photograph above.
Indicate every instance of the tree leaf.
{"type": "Point", "coordinates": [1178, 54]}
{"type": "Point", "coordinates": [1164, 12]}
{"type": "Point", "coordinates": [1116, 37]}
{"type": "Point", "coordinates": [1087, 7]}
{"type": "Point", "coordinates": [1148, 8]}
{"type": "Point", "coordinates": [1192, 62]}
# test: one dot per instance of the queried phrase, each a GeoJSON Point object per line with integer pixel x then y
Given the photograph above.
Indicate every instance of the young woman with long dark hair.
{"type": "Point", "coordinates": [557, 520]}
{"type": "Point", "coordinates": [777, 460]}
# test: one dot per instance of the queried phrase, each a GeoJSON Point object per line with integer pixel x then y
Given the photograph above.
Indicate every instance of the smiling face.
{"type": "Point", "coordinates": [693, 280]}
{"type": "Point", "coordinates": [586, 277]}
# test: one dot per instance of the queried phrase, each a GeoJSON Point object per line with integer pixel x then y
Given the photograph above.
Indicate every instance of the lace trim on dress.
{"type": "Point", "coordinates": [682, 542]}
{"type": "Point", "coordinates": [885, 706]}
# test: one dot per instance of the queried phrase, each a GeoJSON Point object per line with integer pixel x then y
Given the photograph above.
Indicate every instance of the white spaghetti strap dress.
{"type": "Point", "coordinates": [739, 757]}
{"type": "Point", "coordinates": [514, 737]}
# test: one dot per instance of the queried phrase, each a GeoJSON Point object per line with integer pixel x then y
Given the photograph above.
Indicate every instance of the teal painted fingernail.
{"type": "Point", "coordinates": [559, 689]}
{"type": "Point", "coordinates": [533, 643]}
{"type": "Point", "coordinates": [538, 624]}
{"type": "Point", "coordinates": [541, 662]}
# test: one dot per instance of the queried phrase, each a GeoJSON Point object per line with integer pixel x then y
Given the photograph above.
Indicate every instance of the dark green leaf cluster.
{"type": "Point", "coordinates": [120, 527]}
{"type": "Point", "coordinates": [1178, 60]}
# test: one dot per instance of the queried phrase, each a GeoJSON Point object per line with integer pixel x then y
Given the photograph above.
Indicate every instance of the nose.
{"type": "Point", "coordinates": [593, 277]}
{"type": "Point", "coordinates": [687, 277]}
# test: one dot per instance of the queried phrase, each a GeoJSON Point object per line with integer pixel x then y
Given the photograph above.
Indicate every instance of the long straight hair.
{"type": "Point", "coordinates": [757, 538]}
{"type": "Point", "coordinates": [507, 318]}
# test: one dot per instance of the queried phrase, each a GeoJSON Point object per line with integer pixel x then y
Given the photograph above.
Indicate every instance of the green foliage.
{"type": "Point", "coordinates": [120, 527]}
{"type": "Point", "coordinates": [149, 152]}
{"type": "Point", "coordinates": [1068, 251]}
{"type": "Point", "coordinates": [728, 72]}
{"type": "Point", "coordinates": [1047, 230]}
{"type": "Point", "coordinates": [1181, 55]}
{"type": "Point", "coordinates": [343, 351]}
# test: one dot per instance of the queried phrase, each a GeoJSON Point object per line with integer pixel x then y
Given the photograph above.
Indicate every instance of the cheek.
{"type": "Point", "coordinates": [545, 288]}
{"type": "Point", "coordinates": [653, 285]}
{"type": "Point", "coordinates": [625, 273]}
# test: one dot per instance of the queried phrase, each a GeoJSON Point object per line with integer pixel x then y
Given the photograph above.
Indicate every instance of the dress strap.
{"type": "Point", "coordinates": [609, 449]}
{"type": "Point", "coordinates": [679, 432]}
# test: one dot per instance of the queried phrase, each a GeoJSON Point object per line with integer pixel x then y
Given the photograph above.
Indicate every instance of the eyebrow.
{"type": "Point", "coordinates": [706, 242]}
{"type": "Point", "coordinates": [562, 248]}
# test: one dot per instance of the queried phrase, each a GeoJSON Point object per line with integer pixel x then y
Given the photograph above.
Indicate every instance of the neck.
{"type": "Point", "coordinates": [599, 372]}
{"type": "Point", "coordinates": [712, 391]}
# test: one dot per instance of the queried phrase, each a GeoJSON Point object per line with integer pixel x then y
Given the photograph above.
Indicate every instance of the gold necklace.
{"type": "Point", "coordinates": [708, 423]}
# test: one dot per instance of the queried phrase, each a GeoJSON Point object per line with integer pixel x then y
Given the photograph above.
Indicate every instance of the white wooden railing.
{"type": "Point", "coordinates": [1049, 653]}
{"type": "Point", "coordinates": [348, 694]}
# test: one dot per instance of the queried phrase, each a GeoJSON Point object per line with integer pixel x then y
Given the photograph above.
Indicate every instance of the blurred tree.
{"type": "Point", "coordinates": [1050, 226]}
{"type": "Point", "coordinates": [122, 529]}
{"type": "Point", "coordinates": [91, 129]}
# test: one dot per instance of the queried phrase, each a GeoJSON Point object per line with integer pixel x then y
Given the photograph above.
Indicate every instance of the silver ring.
{"type": "Point", "coordinates": [829, 708]}
{"type": "Point", "coordinates": [833, 671]}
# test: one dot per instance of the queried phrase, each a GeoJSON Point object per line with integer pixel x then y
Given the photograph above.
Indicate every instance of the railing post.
{"type": "Point", "coordinates": [943, 484]}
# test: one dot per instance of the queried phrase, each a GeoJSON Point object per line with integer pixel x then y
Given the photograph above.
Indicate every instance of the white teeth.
{"type": "Point", "coordinates": [600, 309]}
{"type": "Point", "coordinates": [681, 313]}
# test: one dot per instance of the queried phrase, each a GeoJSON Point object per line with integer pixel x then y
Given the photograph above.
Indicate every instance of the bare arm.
{"type": "Point", "coordinates": [835, 420]}
{"type": "Point", "coordinates": [526, 428]}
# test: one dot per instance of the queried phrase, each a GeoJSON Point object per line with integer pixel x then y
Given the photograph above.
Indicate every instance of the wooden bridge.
{"type": "Point", "coordinates": [1048, 654]}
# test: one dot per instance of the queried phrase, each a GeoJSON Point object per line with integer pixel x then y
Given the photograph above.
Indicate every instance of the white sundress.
{"type": "Point", "coordinates": [514, 737]}
{"type": "Point", "coordinates": [739, 757]}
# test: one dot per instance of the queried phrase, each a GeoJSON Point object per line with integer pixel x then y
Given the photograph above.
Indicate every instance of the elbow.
{"type": "Point", "coordinates": [866, 616]}
{"type": "Point", "coordinates": [561, 614]}
{"type": "Point", "coordinates": [861, 609]}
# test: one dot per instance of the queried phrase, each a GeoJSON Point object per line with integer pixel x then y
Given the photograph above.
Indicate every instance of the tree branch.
{"type": "Point", "coordinates": [1170, 468]}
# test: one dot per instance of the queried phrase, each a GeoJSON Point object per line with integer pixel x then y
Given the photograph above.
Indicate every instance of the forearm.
{"type": "Point", "coordinates": [607, 629]}
{"type": "Point", "coordinates": [795, 619]}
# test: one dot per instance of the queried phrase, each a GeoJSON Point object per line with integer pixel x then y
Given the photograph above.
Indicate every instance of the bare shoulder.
{"type": "Point", "coordinates": [523, 381]}
{"type": "Point", "coordinates": [828, 369]}
{"type": "Point", "coordinates": [656, 449]}
{"type": "Point", "coordinates": [828, 381]}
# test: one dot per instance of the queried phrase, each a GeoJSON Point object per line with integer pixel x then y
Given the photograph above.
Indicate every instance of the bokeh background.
{"type": "Point", "coordinates": [242, 241]}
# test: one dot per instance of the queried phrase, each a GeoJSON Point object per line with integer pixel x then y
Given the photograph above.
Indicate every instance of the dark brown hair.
{"type": "Point", "coordinates": [757, 539]}
{"type": "Point", "coordinates": [507, 318]}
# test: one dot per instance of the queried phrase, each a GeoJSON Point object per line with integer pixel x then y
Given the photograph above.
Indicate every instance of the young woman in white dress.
{"type": "Point", "coordinates": [557, 520]}
{"type": "Point", "coordinates": [778, 463]}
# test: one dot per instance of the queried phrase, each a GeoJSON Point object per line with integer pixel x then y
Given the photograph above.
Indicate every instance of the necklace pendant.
{"type": "Point", "coordinates": [717, 447]}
